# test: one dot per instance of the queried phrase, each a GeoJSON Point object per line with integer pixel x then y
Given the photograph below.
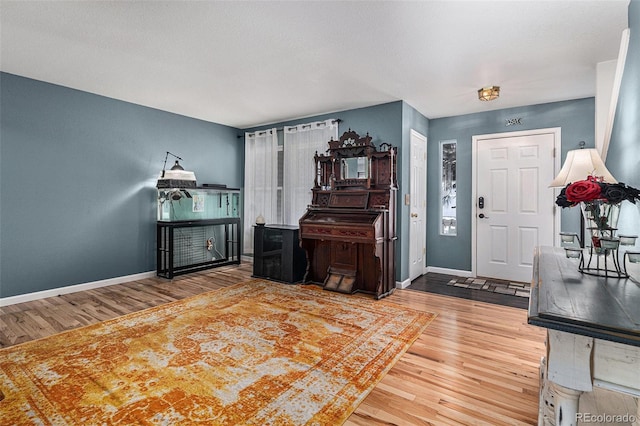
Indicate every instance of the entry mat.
{"type": "Point", "coordinates": [511, 288]}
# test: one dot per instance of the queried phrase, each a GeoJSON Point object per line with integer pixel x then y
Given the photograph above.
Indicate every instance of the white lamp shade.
{"type": "Point", "coordinates": [579, 164]}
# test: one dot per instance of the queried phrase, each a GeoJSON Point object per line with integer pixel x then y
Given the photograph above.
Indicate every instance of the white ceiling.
{"type": "Point", "coordinates": [245, 64]}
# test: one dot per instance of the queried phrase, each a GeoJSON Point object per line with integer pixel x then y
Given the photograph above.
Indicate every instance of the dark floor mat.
{"type": "Point", "coordinates": [515, 294]}
{"type": "Point", "coordinates": [494, 286]}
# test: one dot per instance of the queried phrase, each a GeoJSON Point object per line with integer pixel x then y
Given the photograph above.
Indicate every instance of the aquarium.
{"type": "Point", "coordinates": [179, 204]}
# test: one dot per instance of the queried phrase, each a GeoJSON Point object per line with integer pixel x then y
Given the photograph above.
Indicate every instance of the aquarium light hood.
{"type": "Point", "coordinates": [177, 176]}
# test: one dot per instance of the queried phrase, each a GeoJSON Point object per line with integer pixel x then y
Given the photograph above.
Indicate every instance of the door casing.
{"type": "Point", "coordinates": [474, 167]}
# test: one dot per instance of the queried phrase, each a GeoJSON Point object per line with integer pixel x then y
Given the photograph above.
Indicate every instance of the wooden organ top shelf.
{"type": "Point", "coordinates": [348, 231]}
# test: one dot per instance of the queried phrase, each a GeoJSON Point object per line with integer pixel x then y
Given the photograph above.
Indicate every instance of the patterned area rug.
{"type": "Point", "coordinates": [511, 288]}
{"type": "Point", "coordinates": [257, 353]}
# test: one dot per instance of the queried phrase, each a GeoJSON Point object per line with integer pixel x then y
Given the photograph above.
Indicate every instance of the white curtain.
{"type": "Point", "coordinates": [260, 181]}
{"type": "Point", "coordinates": [300, 145]}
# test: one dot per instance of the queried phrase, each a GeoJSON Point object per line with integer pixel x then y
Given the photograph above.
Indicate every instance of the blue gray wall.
{"type": "Point", "coordinates": [577, 122]}
{"type": "Point", "coordinates": [623, 157]}
{"type": "Point", "coordinates": [77, 200]}
{"type": "Point", "coordinates": [77, 182]}
{"type": "Point", "coordinates": [382, 122]}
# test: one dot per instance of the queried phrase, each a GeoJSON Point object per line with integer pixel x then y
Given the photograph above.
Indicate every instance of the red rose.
{"type": "Point", "coordinates": [583, 190]}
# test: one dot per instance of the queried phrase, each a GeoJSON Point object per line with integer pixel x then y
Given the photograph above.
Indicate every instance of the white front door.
{"type": "Point", "coordinates": [418, 205]}
{"type": "Point", "coordinates": [514, 208]}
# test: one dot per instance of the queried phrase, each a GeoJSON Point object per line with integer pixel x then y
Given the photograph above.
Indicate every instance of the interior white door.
{"type": "Point", "coordinates": [418, 205]}
{"type": "Point", "coordinates": [514, 209]}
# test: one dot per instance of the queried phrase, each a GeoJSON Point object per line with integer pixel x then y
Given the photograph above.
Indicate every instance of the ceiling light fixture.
{"type": "Point", "coordinates": [489, 93]}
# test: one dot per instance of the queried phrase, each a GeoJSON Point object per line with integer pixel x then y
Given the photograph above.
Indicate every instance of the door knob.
{"type": "Point", "coordinates": [482, 216]}
{"type": "Point", "coordinates": [414, 214]}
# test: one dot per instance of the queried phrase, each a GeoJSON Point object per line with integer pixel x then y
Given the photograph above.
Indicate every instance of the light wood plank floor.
{"type": "Point", "coordinates": [476, 364]}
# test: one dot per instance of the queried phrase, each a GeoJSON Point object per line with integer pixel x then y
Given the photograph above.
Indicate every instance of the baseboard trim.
{"type": "Point", "coordinates": [403, 284]}
{"type": "Point", "coordinates": [446, 271]}
{"type": "Point", "coordinates": [28, 297]}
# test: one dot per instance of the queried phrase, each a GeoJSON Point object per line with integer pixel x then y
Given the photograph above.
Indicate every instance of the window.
{"type": "Point", "coordinates": [260, 182]}
{"type": "Point", "coordinates": [301, 143]}
{"type": "Point", "coordinates": [279, 173]}
{"type": "Point", "coordinates": [448, 225]}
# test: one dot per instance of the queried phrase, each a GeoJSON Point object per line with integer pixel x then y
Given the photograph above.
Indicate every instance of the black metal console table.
{"type": "Point", "coordinates": [194, 245]}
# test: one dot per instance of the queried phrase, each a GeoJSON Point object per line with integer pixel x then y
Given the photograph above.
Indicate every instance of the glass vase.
{"type": "Point", "coordinates": [601, 220]}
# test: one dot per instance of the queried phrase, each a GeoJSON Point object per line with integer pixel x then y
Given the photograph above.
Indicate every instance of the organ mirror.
{"type": "Point", "coordinates": [355, 168]}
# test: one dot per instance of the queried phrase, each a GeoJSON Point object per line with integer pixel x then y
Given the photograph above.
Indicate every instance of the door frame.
{"type": "Point", "coordinates": [475, 139]}
{"type": "Point", "coordinates": [414, 133]}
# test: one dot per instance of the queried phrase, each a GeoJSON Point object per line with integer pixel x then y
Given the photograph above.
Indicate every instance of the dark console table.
{"type": "Point", "coordinates": [593, 334]}
{"type": "Point", "coordinates": [277, 254]}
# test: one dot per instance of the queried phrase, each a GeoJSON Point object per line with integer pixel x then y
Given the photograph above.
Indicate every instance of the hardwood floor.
{"type": "Point", "coordinates": [476, 364]}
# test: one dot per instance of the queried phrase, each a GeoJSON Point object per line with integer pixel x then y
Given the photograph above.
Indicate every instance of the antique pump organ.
{"type": "Point", "coordinates": [348, 232]}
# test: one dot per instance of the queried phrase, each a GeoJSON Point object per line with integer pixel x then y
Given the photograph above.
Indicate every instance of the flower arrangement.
{"type": "Point", "coordinates": [593, 189]}
{"type": "Point", "coordinates": [600, 203]}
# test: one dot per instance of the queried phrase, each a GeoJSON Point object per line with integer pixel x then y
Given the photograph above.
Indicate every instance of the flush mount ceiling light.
{"type": "Point", "coordinates": [489, 93]}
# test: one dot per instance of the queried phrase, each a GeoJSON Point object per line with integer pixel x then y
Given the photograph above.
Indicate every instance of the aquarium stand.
{"type": "Point", "coordinates": [195, 245]}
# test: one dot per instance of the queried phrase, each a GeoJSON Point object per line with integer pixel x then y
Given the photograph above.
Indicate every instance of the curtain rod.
{"type": "Point", "coordinates": [281, 129]}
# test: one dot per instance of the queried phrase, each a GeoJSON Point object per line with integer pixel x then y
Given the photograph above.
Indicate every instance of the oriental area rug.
{"type": "Point", "coordinates": [256, 353]}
